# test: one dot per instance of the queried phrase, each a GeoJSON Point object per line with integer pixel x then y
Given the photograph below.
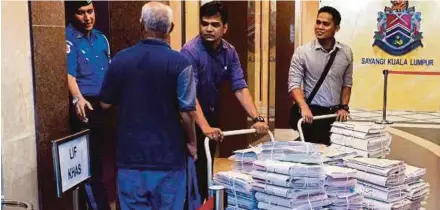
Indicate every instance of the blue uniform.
{"type": "Point", "coordinates": [87, 59]}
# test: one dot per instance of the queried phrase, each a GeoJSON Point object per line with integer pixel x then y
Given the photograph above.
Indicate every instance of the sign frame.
{"type": "Point", "coordinates": [56, 160]}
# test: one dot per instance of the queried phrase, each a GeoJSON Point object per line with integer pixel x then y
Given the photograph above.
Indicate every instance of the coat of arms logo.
{"type": "Point", "coordinates": [398, 29]}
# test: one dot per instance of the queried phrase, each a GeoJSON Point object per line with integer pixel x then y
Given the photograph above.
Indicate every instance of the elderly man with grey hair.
{"type": "Point", "coordinates": [153, 87]}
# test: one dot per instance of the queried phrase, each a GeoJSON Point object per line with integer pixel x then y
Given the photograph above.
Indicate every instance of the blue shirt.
{"type": "Point", "coordinates": [87, 59]}
{"type": "Point", "coordinates": [151, 84]}
{"type": "Point", "coordinates": [212, 68]}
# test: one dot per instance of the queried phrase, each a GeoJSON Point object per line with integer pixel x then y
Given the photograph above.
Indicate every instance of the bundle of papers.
{"type": "Point", "coordinates": [385, 194]}
{"type": "Point", "coordinates": [289, 175]}
{"type": "Point", "coordinates": [347, 201]}
{"type": "Point", "coordinates": [371, 154]}
{"type": "Point", "coordinates": [239, 191]}
{"type": "Point", "coordinates": [336, 156]}
{"type": "Point", "coordinates": [366, 139]}
{"type": "Point", "coordinates": [339, 181]}
{"type": "Point", "coordinates": [289, 168]}
{"type": "Point", "coordinates": [306, 206]}
{"type": "Point", "coordinates": [381, 182]}
{"type": "Point", "coordinates": [382, 167]}
{"type": "Point", "coordinates": [364, 127]}
{"type": "Point", "coordinates": [418, 190]}
{"type": "Point", "coordinates": [371, 144]}
{"type": "Point", "coordinates": [247, 155]}
{"type": "Point", "coordinates": [398, 205]}
{"type": "Point", "coordinates": [287, 181]}
{"type": "Point", "coordinates": [413, 174]}
{"type": "Point", "coordinates": [243, 167]}
{"type": "Point", "coordinates": [340, 187]}
{"type": "Point", "coordinates": [293, 151]}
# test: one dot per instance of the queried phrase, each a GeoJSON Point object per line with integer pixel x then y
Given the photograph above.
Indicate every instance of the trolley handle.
{"type": "Point", "coordinates": [227, 133]}
{"type": "Point", "coordinates": [319, 117]}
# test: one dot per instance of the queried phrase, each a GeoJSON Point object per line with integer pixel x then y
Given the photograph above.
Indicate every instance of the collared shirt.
{"type": "Point", "coordinates": [308, 63]}
{"type": "Point", "coordinates": [87, 59]}
{"type": "Point", "coordinates": [151, 84]}
{"type": "Point", "coordinates": [212, 68]}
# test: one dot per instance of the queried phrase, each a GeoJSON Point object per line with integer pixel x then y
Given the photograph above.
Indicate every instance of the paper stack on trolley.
{"type": "Point", "coordinates": [290, 175]}
{"type": "Point", "coordinates": [418, 190]}
{"type": "Point", "coordinates": [381, 182]}
{"type": "Point", "coordinates": [336, 156]}
{"type": "Point", "coordinates": [340, 186]}
{"type": "Point", "coordinates": [244, 158]}
{"type": "Point", "coordinates": [240, 194]}
{"type": "Point", "coordinates": [293, 151]}
{"type": "Point", "coordinates": [366, 139]}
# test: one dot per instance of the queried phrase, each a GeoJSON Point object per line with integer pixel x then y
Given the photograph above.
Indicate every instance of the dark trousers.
{"type": "Point", "coordinates": [101, 134]}
{"type": "Point", "coordinates": [319, 130]}
{"type": "Point", "coordinates": [201, 162]}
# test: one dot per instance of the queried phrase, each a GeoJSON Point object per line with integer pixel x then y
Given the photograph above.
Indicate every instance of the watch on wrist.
{"type": "Point", "coordinates": [258, 119]}
{"type": "Point", "coordinates": [344, 107]}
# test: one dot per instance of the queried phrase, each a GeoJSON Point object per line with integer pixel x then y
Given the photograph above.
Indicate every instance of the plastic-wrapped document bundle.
{"type": "Point", "coordinates": [244, 158]}
{"type": "Point", "coordinates": [290, 176]}
{"type": "Point", "coordinates": [238, 189]}
{"type": "Point", "coordinates": [340, 187]}
{"type": "Point", "coordinates": [398, 205]}
{"type": "Point", "coordinates": [339, 180]}
{"type": "Point", "coordinates": [366, 139]}
{"type": "Point", "coordinates": [380, 181]}
{"type": "Point", "coordinates": [413, 174]}
{"type": "Point", "coordinates": [243, 167]}
{"type": "Point", "coordinates": [385, 194]}
{"type": "Point", "coordinates": [363, 127]}
{"type": "Point", "coordinates": [293, 151]}
{"type": "Point", "coordinates": [382, 167]}
{"type": "Point", "coordinates": [346, 201]}
{"type": "Point", "coordinates": [287, 181]}
{"type": "Point", "coordinates": [371, 154]}
{"type": "Point", "coordinates": [418, 190]}
{"type": "Point", "coordinates": [303, 202]}
{"type": "Point", "coordinates": [289, 168]}
{"type": "Point", "coordinates": [372, 144]}
{"type": "Point", "coordinates": [247, 155]}
{"type": "Point", "coordinates": [335, 157]}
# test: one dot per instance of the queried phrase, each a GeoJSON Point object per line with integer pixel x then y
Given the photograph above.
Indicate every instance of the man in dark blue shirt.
{"type": "Point", "coordinates": [153, 87]}
{"type": "Point", "coordinates": [214, 61]}
{"type": "Point", "coordinates": [88, 57]}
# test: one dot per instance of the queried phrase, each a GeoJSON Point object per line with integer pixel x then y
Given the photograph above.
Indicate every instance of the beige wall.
{"type": "Point", "coordinates": [19, 159]}
{"type": "Point", "coordinates": [191, 19]}
{"type": "Point", "coordinates": [176, 34]}
{"type": "Point", "coordinates": [304, 21]}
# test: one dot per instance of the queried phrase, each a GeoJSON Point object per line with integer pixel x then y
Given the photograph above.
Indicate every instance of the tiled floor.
{"type": "Point", "coordinates": [397, 116]}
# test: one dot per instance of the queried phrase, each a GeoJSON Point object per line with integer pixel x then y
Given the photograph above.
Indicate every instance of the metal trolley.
{"type": "Point", "coordinates": [217, 191]}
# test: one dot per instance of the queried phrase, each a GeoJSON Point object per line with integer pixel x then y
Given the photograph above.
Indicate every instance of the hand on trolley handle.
{"type": "Point", "coordinates": [320, 117]}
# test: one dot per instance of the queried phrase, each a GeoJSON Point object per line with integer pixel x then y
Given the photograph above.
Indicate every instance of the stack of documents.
{"type": "Point", "coordinates": [289, 176]}
{"type": "Point", "coordinates": [244, 158]}
{"type": "Point", "coordinates": [340, 186]}
{"type": "Point", "coordinates": [366, 139]}
{"type": "Point", "coordinates": [381, 182]}
{"type": "Point", "coordinates": [418, 190]}
{"type": "Point", "coordinates": [293, 151]}
{"type": "Point", "coordinates": [336, 156]}
{"type": "Point", "coordinates": [239, 193]}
